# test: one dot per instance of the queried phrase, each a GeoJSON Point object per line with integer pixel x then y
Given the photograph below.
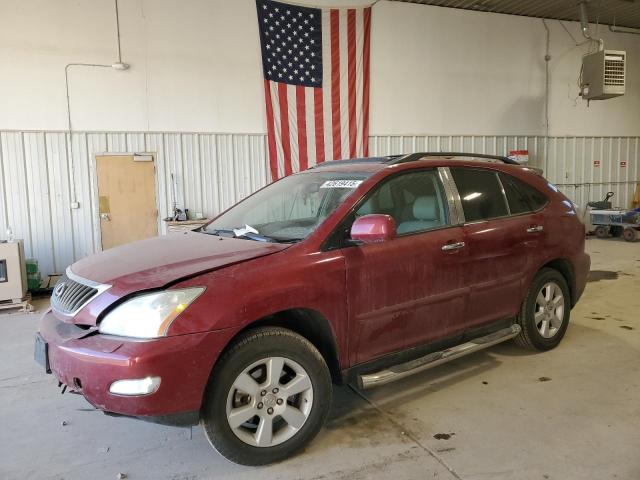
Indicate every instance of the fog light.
{"type": "Point", "coordinates": [139, 386]}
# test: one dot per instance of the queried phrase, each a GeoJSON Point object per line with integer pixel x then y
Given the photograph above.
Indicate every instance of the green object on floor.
{"type": "Point", "coordinates": [32, 265]}
{"type": "Point", "coordinates": [33, 281]}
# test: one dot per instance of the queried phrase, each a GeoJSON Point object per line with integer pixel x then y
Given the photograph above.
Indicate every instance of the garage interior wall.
{"type": "Point", "coordinates": [441, 79]}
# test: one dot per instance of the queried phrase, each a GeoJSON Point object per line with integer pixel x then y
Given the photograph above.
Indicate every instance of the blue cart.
{"type": "Point", "coordinates": [617, 223]}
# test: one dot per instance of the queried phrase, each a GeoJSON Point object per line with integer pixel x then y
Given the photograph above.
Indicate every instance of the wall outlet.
{"type": "Point", "coordinates": [75, 205]}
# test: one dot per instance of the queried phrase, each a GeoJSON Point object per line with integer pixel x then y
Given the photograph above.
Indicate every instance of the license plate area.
{"type": "Point", "coordinates": [41, 353]}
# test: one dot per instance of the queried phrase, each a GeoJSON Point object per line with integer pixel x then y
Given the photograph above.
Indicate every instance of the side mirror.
{"type": "Point", "coordinates": [373, 229]}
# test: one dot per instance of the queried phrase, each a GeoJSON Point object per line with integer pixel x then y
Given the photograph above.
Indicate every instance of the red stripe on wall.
{"type": "Point", "coordinates": [365, 80]}
{"type": "Point", "coordinates": [351, 79]}
{"type": "Point", "coordinates": [335, 84]}
{"type": "Point", "coordinates": [284, 127]}
{"type": "Point", "coordinates": [319, 117]}
{"type": "Point", "coordinates": [271, 134]}
{"type": "Point", "coordinates": [303, 158]}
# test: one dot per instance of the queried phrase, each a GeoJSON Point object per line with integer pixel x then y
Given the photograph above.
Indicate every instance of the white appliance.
{"type": "Point", "coordinates": [603, 75]}
{"type": "Point", "coordinates": [13, 271]}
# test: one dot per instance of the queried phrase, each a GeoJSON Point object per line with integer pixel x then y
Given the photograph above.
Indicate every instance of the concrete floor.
{"type": "Point", "coordinates": [572, 413]}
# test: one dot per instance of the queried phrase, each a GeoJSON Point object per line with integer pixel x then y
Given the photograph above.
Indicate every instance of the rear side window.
{"type": "Point", "coordinates": [481, 194]}
{"type": "Point", "coordinates": [522, 197]}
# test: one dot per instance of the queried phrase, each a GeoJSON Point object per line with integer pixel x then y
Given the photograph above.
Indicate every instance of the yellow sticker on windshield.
{"type": "Point", "coordinates": [341, 184]}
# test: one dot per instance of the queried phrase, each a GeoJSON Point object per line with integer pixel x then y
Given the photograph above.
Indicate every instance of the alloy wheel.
{"type": "Point", "coordinates": [269, 402]}
{"type": "Point", "coordinates": [549, 309]}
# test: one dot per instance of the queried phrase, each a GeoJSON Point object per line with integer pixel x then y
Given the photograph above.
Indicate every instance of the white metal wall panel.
{"type": "Point", "coordinates": [16, 188]}
{"type": "Point", "coordinates": [39, 202]}
{"type": "Point", "coordinates": [60, 200]}
{"type": "Point", "coordinates": [212, 171]}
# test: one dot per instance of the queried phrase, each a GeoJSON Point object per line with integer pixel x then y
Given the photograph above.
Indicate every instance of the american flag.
{"type": "Point", "coordinates": [316, 83]}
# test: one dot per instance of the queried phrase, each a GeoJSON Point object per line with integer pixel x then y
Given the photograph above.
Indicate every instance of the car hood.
{"type": "Point", "coordinates": [158, 261]}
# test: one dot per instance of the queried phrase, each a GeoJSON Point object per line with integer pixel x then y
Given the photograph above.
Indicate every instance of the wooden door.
{"type": "Point", "coordinates": [127, 196]}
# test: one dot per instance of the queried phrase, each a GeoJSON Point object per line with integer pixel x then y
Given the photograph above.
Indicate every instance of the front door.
{"type": "Point", "coordinates": [407, 291]}
{"type": "Point", "coordinates": [127, 199]}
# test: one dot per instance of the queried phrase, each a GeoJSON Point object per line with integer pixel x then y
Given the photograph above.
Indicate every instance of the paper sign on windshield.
{"type": "Point", "coordinates": [341, 184]}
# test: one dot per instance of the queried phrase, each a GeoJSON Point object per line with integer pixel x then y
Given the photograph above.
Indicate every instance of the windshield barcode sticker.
{"type": "Point", "coordinates": [341, 184]}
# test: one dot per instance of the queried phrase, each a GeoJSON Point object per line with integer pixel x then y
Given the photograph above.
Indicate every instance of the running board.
{"type": "Point", "coordinates": [434, 359]}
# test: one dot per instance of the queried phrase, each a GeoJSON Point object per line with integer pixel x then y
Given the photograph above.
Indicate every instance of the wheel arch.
{"type": "Point", "coordinates": [307, 323]}
{"type": "Point", "coordinates": [565, 268]}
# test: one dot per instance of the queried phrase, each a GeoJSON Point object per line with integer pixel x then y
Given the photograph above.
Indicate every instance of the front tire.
{"type": "Point", "coordinates": [630, 234]}
{"type": "Point", "coordinates": [545, 312]}
{"type": "Point", "coordinates": [268, 397]}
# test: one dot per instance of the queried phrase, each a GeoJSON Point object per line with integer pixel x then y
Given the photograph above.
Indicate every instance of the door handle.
{"type": "Point", "coordinates": [453, 246]}
{"type": "Point", "coordinates": [535, 229]}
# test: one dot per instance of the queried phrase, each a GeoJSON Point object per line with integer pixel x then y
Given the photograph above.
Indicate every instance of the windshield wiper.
{"type": "Point", "coordinates": [240, 233]}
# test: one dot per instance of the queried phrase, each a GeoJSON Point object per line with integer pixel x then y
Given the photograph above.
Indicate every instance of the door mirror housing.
{"type": "Point", "coordinates": [375, 228]}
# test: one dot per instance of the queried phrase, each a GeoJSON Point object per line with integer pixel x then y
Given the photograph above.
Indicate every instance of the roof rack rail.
{"type": "Point", "coordinates": [412, 157]}
{"type": "Point", "coordinates": [384, 159]}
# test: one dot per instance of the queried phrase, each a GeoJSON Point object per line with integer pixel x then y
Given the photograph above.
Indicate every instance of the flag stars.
{"type": "Point", "coordinates": [296, 52]}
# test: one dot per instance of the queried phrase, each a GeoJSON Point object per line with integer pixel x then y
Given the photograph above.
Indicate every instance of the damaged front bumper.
{"type": "Point", "coordinates": [89, 363]}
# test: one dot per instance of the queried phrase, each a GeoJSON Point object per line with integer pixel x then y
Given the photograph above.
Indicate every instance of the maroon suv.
{"type": "Point", "coordinates": [361, 271]}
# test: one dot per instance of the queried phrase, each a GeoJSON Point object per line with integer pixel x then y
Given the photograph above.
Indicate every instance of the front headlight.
{"type": "Point", "coordinates": [150, 315]}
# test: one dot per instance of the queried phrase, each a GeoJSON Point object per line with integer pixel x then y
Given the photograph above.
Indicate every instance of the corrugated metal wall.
{"type": "Point", "coordinates": [570, 163]}
{"type": "Point", "coordinates": [40, 178]}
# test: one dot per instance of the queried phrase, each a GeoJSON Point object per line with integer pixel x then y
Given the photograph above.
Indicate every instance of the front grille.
{"type": "Point", "coordinates": [69, 295]}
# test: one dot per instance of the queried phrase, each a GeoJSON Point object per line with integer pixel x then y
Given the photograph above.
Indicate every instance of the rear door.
{"type": "Point", "coordinates": [407, 291]}
{"type": "Point", "coordinates": [499, 248]}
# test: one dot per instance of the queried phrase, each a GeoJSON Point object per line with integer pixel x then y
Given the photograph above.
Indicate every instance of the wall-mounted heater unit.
{"type": "Point", "coordinates": [603, 75]}
{"type": "Point", "coordinates": [13, 274]}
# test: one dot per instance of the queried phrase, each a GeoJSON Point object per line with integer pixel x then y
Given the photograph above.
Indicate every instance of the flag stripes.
{"type": "Point", "coordinates": [325, 115]}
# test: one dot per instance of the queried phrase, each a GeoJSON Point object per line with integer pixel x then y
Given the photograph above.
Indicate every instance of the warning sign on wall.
{"type": "Point", "coordinates": [623, 163]}
{"type": "Point", "coordinates": [520, 156]}
{"type": "Point", "coordinates": [596, 163]}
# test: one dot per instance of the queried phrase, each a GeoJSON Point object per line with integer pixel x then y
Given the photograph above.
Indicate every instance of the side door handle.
{"type": "Point", "coordinates": [453, 246]}
{"type": "Point", "coordinates": [535, 229]}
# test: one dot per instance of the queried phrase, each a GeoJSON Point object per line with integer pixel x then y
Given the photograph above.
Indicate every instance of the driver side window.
{"type": "Point", "coordinates": [415, 200]}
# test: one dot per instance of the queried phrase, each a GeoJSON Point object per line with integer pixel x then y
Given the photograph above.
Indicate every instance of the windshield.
{"type": "Point", "coordinates": [288, 210]}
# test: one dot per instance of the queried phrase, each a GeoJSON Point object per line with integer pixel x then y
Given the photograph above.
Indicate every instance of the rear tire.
{"type": "Point", "coordinates": [545, 312]}
{"type": "Point", "coordinates": [602, 231]}
{"type": "Point", "coordinates": [268, 397]}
